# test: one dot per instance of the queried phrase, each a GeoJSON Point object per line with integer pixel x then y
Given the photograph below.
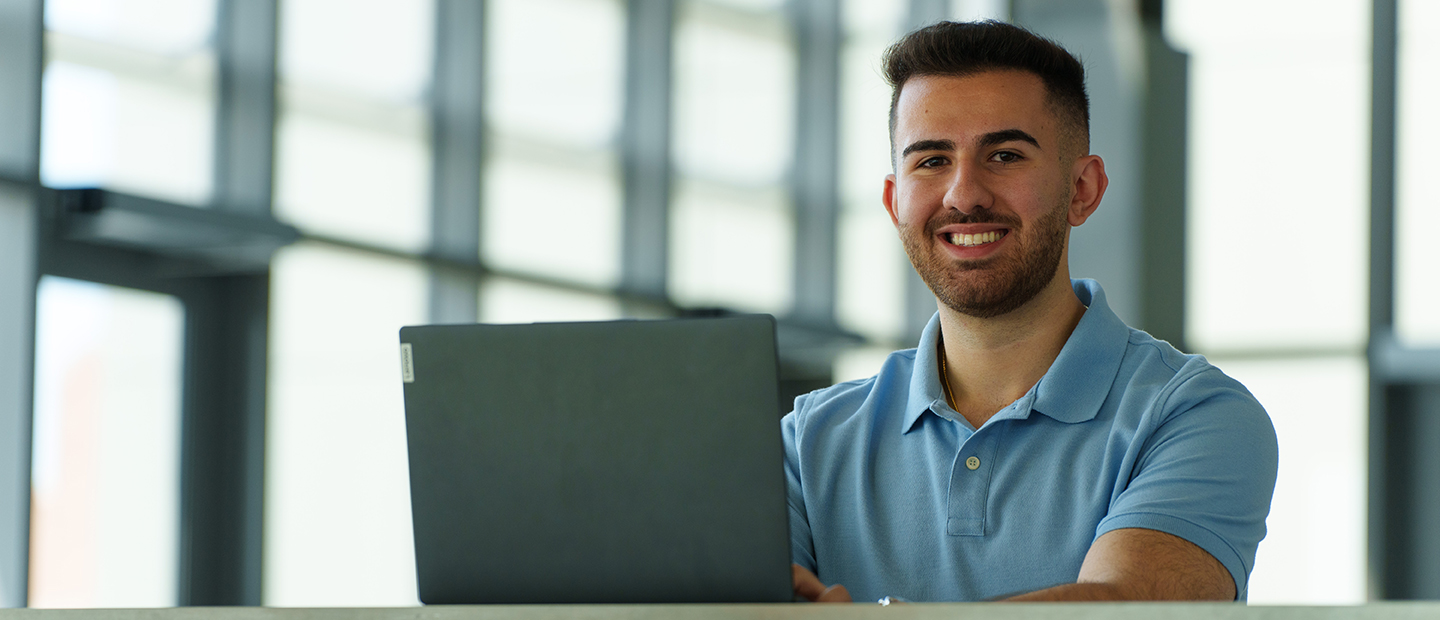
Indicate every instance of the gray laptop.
{"type": "Point", "coordinates": [611, 462]}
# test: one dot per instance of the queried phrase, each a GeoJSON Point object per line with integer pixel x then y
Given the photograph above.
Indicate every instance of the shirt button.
{"type": "Point", "coordinates": [973, 463]}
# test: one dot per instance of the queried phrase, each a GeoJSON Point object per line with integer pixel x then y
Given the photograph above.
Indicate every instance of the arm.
{"type": "Point", "coordinates": [809, 587]}
{"type": "Point", "coordinates": [1122, 565]}
{"type": "Point", "coordinates": [1143, 565]}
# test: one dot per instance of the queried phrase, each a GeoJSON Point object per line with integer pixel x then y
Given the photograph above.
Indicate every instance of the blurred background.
{"type": "Point", "coordinates": [216, 214]}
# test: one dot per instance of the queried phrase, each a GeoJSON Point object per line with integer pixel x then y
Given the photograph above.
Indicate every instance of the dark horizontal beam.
{"type": "Point", "coordinates": [1392, 362]}
{"type": "Point", "coordinates": [229, 242]}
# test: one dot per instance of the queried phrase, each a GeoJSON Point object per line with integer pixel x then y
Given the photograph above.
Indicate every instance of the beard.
{"type": "Point", "coordinates": [996, 285]}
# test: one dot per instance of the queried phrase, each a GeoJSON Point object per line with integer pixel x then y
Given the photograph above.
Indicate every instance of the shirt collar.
{"type": "Point", "coordinates": [925, 391]}
{"type": "Point", "coordinates": [1080, 378]}
{"type": "Point", "coordinates": [1071, 391]}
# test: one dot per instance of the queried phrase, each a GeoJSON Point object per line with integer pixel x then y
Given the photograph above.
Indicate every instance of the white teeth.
{"type": "Point", "coordinates": [974, 240]}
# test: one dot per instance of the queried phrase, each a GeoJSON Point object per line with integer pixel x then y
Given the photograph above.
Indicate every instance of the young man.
{"type": "Point", "coordinates": [1032, 446]}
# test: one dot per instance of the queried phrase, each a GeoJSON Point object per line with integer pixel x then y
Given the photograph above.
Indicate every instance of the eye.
{"type": "Point", "coordinates": [931, 162]}
{"type": "Point", "coordinates": [1007, 157]}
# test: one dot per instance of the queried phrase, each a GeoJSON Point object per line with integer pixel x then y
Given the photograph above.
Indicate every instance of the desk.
{"type": "Point", "coordinates": [929, 611]}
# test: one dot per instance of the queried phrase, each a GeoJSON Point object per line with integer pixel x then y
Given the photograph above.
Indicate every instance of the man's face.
{"type": "Point", "coordinates": [981, 192]}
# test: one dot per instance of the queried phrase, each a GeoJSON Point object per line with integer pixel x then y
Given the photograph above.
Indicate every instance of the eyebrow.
{"type": "Point", "coordinates": [928, 145]}
{"type": "Point", "coordinates": [990, 139]}
{"type": "Point", "coordinates": [1007, 135]}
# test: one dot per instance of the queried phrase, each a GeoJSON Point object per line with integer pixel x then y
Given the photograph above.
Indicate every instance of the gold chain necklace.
{"type": "Point", "coordinates": [945, 376]}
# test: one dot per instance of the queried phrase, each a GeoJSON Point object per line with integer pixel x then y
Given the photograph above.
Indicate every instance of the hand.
{"type": "Point", "coordinates": [808, 586]}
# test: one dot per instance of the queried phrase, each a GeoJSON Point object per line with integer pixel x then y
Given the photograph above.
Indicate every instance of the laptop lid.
{"type": "Point", "coordinates": [610, 462]}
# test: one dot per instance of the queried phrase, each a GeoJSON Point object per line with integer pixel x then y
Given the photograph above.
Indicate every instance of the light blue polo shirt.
{"type": "Point", "coordinates": [893, 493]}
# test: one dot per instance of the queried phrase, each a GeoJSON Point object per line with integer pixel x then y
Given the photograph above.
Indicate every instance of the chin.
{"type": "Point", "coordinates": [991, 297]}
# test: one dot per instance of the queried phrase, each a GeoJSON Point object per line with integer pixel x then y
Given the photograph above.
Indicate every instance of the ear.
{"type": "Point", "coordinates": [889, 199]}
{"type": "Point", "coordinates": [1090, 184]}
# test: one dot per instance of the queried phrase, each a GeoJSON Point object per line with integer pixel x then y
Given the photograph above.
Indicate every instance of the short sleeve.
{"type": "Point", "coordinates": [802, 546]}
{"type": "Point", "coordinates": [1206, 473]}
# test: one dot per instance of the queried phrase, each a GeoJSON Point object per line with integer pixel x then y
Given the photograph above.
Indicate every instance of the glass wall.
{"type": "Point", "coordinates": [732, 226]}
{"type": "Point", "coordinates": [1417, 261]}
{"type": "Point", "coordinates": [352, 166]}
{"type": "Point", "coordinates": [506, 300]}
{"type": "Point", "coordinates": [1277, 254]}
{"type": "Point", "coordinates": [129, 97]}
{"type": "Point", "coordinates": [337, 493]}
{"type": "Point", "coordinates": [1314, 552]}
{"type": "Point", "coordinates": [353, 131]}
{"type": "Point", "coordinates": [871, 261]}
{"type": "Point", "coordinates": [105, 474]}
{"type": "Point", "coordinates": [552, 176]}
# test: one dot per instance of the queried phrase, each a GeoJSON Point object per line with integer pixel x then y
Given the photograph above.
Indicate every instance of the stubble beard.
{"type": "Point", "coordinates": [989, 287]}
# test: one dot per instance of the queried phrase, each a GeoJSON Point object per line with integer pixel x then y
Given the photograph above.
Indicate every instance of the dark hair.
{"type": "Point", "coordinates": [967, 48]}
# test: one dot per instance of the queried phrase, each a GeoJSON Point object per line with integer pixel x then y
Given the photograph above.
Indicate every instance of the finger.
{"type": "Point", "coordinates": [834, 594]}
{"type": "Point", "coordinates": [806, 584]}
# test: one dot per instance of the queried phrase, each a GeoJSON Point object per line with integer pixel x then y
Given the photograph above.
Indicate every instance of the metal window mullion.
{"type": "Point", "coordinates": [1387, 539]}
{"type": "Point", "coordinates": [815, 175]}
{"type": "Point", "coordinates": [22, 31]}
{"type": "Point", "coordinates": [645, 148]}
{"type": "Point", "coordinates": [227, 318]}
{"type": "Point", "coordinates": [1383, 93]}
{"type": "Point", "coordinates": [222, 445]}
{"type": "Point", "coordinates": [1163, 147]}
{"type": "Point", "coordinates": [245, 115]}
{"type": "Point", "coordinates": [18, 222]}
{"type": "Point", "coordinates": [457, 144]}
{"type": "Point", "coordinates": [21, 55]}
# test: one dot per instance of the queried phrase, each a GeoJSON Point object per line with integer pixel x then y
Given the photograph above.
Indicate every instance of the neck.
{"type": "Point", "coordinates": [994, 361]}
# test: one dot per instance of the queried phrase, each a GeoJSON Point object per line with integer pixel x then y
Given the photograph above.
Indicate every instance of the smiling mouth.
{"type": "Point", "coordinates": [970, 241]}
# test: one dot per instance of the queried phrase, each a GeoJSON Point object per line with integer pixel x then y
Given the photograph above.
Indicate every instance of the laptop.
{"type": "Point", "coordinates": [604, 462]}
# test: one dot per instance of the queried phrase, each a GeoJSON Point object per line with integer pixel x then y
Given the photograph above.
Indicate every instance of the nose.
{"type": "Point", "coordinates": [968, 189]}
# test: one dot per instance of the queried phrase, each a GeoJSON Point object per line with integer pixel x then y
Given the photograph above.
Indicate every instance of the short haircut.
{"type": "Point", "coordinates": [963, 49]}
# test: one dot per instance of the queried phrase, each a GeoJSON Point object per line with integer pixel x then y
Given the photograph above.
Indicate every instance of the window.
{"type": "Point", "coordinates": [731, 226]}
{"type": "Point", "coordinates": [1277, 207]}
{"type": "Point", "coordinates": [552, 177]}
{"type": "Point", "coordinates": [129, 97]}
{"type": "Point", "coordinates": [1417, 208]}
{"type": "Point", "coordinates": [503, 300]}
{"type": "Point", "coordinates": [337, 495]}
{"type": "Point", "coordinates": [352, 130]}
{"type": "Point", "coordinates": [871, 262]}
{"type": "Point", "coordinates": [105, 472]}
{"type": "Point", "coordinates": [353, 162]}
{"type": "Point", "coordinates": [1277, 261]}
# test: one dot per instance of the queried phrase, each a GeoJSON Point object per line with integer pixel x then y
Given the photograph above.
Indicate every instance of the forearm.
{"type": "Point", "coordinates": [1074, 592]}
{"type": "Point", "coordinates": [1143, 565]}
{"type": "Point", "coordinates": [1106, 591]}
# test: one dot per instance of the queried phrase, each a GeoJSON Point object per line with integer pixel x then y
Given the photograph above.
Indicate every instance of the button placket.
{"type": "Point", "coordinates": [970, 482]}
